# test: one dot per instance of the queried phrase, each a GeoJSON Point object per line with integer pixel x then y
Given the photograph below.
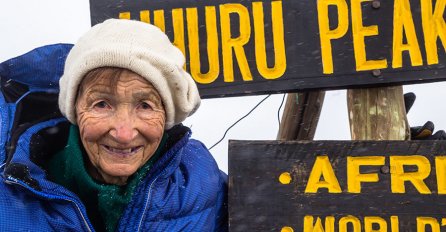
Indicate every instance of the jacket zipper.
{"type": "Point", "coordinates": [146, 203]}
{"type": "Point", "coordinates": [148, 193]}
{"type": "Point", "coordinates": [11, 180]}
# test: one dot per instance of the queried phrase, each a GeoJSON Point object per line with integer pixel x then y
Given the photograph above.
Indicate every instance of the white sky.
{"type": "Point", "coordinates": [25, 25]}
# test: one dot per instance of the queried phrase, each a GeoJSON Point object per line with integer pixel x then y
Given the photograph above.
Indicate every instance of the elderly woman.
{"type": "Point", "coordinates": [127, 163]}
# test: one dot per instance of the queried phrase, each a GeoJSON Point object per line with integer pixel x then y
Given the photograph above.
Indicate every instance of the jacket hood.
{"type": "Point", "coordinates": [41, 67]}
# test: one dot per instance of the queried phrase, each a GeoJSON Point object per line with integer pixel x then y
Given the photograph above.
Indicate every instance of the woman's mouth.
{"type": "Point", "coordinates": [122, 151]}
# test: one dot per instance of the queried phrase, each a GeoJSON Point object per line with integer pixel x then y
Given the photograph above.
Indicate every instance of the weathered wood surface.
{"type": "Point", "coordinates": [254, 47]}
{"type": "Point", "coordinates": [377, 114]}
{"type": "Point", "coordinates": [301, 115]}
{"type": "Point", "coordinates": [259, 202]}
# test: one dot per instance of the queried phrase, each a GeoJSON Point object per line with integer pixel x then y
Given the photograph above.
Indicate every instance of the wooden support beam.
{"type": "Point", "coordinates": [301, 115]}
{"type": "Point", "coordinates": [377, 114]}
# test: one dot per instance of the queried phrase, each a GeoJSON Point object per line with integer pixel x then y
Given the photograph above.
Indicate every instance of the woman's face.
{"type": "Point", "coordinates": [120, 127]}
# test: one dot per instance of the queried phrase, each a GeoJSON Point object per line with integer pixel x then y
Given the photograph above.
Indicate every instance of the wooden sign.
{"type": "Point", "coordinates": [251, 47]}
{"type": "Point", "coordinates": [337, 186]}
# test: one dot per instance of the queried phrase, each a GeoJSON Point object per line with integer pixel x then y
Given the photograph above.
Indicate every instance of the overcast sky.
{"type": "Point", "coordinates": [25, 25]}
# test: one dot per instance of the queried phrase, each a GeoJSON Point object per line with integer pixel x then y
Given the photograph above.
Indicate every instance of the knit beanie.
{"type": "Point", "coordinates": [141, 48]}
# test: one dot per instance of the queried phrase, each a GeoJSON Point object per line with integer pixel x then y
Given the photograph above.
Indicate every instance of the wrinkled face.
{"type": "Point", "coordinates": [120, 127]}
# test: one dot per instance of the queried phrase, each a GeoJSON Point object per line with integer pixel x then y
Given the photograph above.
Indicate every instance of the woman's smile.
{"type": "Point", "coordinates": [122, 151]}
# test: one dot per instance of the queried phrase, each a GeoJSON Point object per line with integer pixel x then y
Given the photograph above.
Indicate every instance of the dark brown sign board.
{"type": "Point", "coordinates": [245, 47]}
{"type": "Point", "coordinates": [328, 186]}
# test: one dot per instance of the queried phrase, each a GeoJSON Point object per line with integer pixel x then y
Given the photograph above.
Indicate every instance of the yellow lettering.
{"type": "Point", "coordinates": [398, 177]}
{"type": "Point", "coordinates": [322, 168]}
{"type": "Point", "coordinates": [326, 35]}
{"type": "Point", "coordinates": [440, 168]}
{"type": "Point", "coordinates": [403, 22]}
{"type": "Point", "coordinates": [359, 33]}
{"type": "Point", "coordinates": [124, 15]}
{"type": "Point", "coordinates": [228, 43]}
{"type": "Point", "coordinates": [354, 177]}
{"type": "Point", "coordinates": [178, 30]}
{"type": "Point", "coordinates": [144, 16]}
{"type": "Point", "coordinates": [369, 221]}
{"type": "Point", "coordinates": [422, 222]}
{"type": "Point", "coordinates": [278, 38]}
{"type": "Point", "coordinates": [287, 229]}
{"type": "Point", "coordinates": [317, 227]}
{"type": "Point", "coordinates": [349, 219]}
{"type": "Point", "coordinates": [395, 224]}
{"type": "Point", "coordinates": [212, 45]}
{"type": "Point", "coordinates": [433, 26]}
{"type": "Point", "coordinates": [159, 19]}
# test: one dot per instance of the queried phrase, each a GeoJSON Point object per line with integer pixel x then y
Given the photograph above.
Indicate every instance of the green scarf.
{"type": "Point", "coordinates": [105, 203]}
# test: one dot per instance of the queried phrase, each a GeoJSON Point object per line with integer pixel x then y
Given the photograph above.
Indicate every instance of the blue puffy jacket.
{"type": "Point", "coordinates": [183, 191]}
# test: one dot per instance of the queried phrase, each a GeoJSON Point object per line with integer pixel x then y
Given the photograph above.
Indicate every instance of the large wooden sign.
{"type": "Point", "coordinates": [337, 186]}
{"type": "Point", "coordinates": [250, 47]}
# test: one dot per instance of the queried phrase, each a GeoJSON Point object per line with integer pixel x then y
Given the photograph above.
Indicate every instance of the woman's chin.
{"type": "Point", "coordinates": [117, 173]}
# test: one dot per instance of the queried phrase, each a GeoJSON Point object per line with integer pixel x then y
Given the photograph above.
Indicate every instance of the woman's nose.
{"type": "Point", "coordinates": [123, 130]}
{"type": "Point", "coordinates": [123, 133]}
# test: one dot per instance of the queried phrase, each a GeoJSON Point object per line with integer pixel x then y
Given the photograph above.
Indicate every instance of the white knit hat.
{"type": "Point", "coordinates": [141, 48]}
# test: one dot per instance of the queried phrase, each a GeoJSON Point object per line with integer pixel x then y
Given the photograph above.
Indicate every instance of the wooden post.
{"type": "Point", "coordinates": [301, 115]}
{"type": "Point", "coordinates": [377, 114]}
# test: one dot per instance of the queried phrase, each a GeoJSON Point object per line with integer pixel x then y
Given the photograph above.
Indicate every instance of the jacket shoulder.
{"type": "Point", "coordinates": [22, 211]}
{"type": "Point", "coordinates": [197, 178]}
{"type": "Point", "coordinates": [191, 198]}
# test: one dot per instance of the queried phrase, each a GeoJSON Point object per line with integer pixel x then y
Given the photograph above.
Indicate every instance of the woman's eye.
{"type": "Point", "coordinates": [101, 105]}
{"type": "Point", "coordinates": [145, 106]}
